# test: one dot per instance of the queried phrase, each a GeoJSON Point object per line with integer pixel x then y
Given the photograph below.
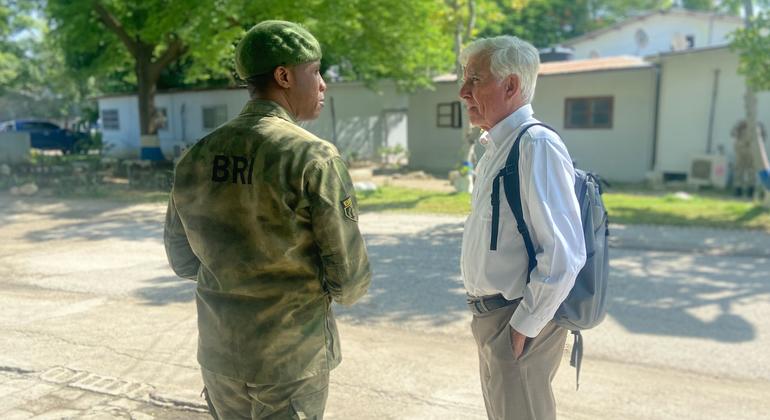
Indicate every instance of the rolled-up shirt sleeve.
{"type": "Point", "coordinates": [334, 216]}
{"type": "Point", "coordinates": [553, 218]}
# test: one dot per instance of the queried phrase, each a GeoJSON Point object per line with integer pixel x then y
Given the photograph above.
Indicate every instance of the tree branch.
{"type": "Point", "coordinates": [115, 26]}
{"type": "Point", "coordinates": [234, 23]}
{"type": "Point", "coordinates": [175, 49]}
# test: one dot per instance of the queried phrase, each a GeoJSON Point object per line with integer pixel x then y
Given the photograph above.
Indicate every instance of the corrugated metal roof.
{"type": "Point", "coordinates": [622, 62]}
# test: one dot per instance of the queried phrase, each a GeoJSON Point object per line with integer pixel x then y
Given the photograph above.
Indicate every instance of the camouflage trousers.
{"type": "Point", "coordinates": [230, 398]}
{"type": "Point", "coordinates": [745, 175]}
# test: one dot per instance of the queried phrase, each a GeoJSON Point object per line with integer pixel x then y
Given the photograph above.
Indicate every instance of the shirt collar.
{"type": "Point", "coordinates": [503, 130]}
{"type": "Point", "coordinates": [267, 108]}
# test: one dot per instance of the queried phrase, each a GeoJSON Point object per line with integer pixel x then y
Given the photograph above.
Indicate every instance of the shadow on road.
{"type": "Point", "coordinates": [79, 221]}
{"type": "Point", "coordinates": [416, 278]}
{"type": "Point", "coordinates": [166, 290]}
{"type": "Point", "coordinates": [687, 295]}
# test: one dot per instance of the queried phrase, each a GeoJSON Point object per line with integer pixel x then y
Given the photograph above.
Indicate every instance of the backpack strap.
{"type": "Point", "coordinates": [512, 187]}
{"type": "Point", "coordinates": [576, 358]}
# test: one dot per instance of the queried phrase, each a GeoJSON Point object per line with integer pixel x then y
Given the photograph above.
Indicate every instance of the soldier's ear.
{"type": "Point", "coordinates": [282, 77]}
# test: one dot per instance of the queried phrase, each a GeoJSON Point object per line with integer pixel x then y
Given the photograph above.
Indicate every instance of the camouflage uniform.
{"type": "Point", "coordinates": [263, 215]}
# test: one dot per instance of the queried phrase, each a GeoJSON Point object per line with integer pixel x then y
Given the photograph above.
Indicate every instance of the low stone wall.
{"type": "Point", "coordinates": [14, 147]}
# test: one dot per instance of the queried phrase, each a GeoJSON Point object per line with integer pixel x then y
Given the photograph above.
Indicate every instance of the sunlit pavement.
{"type": "Point", "coordinates": [95, 325]}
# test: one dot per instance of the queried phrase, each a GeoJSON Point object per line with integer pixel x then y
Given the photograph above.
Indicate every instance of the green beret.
{"type": "Point", "coordinates": [274, 43]}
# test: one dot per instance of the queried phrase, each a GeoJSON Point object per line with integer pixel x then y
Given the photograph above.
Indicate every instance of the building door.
{"type": "Point", "coordinates": [395, 135]}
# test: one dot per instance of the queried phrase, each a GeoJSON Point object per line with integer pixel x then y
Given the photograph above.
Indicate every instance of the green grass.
{"type": "Point", "coordinates": [625, 207]}
{"type": "Point", "coordinates": [414, 201]}
{"type": "Point", "coordinates": [697, 211]}
{"type": "Point", "coordinates": [629, 208]}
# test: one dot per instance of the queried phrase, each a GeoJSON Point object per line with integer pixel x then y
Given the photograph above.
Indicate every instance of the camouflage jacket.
{"type": "Point", "coordinates": [263, 215]}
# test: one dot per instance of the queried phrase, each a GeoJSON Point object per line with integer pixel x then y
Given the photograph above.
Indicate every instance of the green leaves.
{"type": "Point", "coordinates": [753, 46]}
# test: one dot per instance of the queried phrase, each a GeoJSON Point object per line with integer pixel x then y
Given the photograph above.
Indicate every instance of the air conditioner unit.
{"type": "Point", "coordinates": [708, 170]}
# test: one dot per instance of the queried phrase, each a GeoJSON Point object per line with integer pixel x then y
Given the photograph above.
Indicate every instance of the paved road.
{"type": "Point", "coordinates": [95, 325]}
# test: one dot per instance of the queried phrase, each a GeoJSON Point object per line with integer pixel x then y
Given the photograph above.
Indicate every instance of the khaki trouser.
{"type": "Point", "coordinates": [517, 389]}
{"type": "Point", "coordinates": [230, 398]}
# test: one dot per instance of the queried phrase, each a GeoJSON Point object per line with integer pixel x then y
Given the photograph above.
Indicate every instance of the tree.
{"type": "Point", "coordinates": [14, 20]}
{"type": "Point", "coordinates": [752, 43]}
{"type": "Point", "coordinates": [753, 46]}
{"type": "Point", "coordinates": [109, 36]}
{"type": "Point", "coordinates": [136, 43]}
{"type": "Point", "coordinates": [463, 19]}
{"type": "Point", "coordinates": [405, 41]}
{"type": "Point", "coordinates": [34, 82]}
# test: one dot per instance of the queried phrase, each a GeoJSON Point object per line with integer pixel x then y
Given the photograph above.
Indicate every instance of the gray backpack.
{"type": "Point", "coordinates": [585, 306]}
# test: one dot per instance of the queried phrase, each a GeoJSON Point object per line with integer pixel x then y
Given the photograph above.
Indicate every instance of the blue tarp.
{"type": "Point", "coordinates": [764, 176]}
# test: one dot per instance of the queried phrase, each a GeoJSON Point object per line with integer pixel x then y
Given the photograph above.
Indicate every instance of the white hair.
{"type": "Point", "coordinates": [508, 55]}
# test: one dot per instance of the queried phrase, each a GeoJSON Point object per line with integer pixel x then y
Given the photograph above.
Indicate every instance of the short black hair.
{"type": "Point", "coordinates": [258, 85]}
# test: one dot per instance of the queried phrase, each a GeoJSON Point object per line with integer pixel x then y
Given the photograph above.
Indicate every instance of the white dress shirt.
{"type": "Point", "coordinates": [551, 212]}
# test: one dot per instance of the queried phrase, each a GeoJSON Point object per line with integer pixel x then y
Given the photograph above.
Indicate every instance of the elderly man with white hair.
{"type": "Point", "coordinates": [520, 348]}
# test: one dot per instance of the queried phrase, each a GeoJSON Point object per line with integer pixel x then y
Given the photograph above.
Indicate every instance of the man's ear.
{"type": "Point", "coordinates": [512, 86]}
{"type": "Point", "coordinates": [282, 77]}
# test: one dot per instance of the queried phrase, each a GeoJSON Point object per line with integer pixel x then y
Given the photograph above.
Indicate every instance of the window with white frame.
{"type": "Point", "coordinates": [110, 119]}
{"type": "Point", "coordinates": [214, 116]}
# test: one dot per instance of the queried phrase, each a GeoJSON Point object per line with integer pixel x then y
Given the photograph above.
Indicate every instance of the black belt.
{"type": "Point", "coordinates": [482, 304]}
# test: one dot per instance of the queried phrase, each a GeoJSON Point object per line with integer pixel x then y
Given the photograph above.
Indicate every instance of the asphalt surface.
{"type": "Point", "coordinates": [95, 325]}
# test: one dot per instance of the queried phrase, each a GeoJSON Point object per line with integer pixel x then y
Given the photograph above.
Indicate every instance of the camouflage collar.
{"type": "Point", "coordinates": [266, 108]}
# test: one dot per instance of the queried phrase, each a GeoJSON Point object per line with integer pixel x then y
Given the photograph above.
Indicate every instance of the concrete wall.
{"type": "Point", "coordinates": [185, 114]}
{"type": "Point", "coordinates": [123, 142]}
{"type": "Point", "coordinates": [360, 118]}
{"type": "Point", "coordinates": [660, 30]}
{"type": "Point", "coordinates": [622, 153]}
{"type": "Point", "coordinates": [686, 94]}
{"type": "Point", "coordinates": [365, 119]}
{"type": "Point", "coordinates": [14, 147]}
{"type": "Point", "coordinates": [431, 148]}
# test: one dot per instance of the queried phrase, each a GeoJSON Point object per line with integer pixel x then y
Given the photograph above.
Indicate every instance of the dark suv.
{"type": "Point", "coordinates": [45, 135]}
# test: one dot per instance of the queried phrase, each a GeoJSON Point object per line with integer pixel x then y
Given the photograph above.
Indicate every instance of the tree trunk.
{"type": "Point", "coordinates": [146, 78]}
{"type": "Point", "coordinates": [751, 102]}
{"type": "Point", "coordinates": [147, 75]}
{"type": "Point", "coordinates": [458, 38]}
{"type": "Point", "coordinates": [469, 134]}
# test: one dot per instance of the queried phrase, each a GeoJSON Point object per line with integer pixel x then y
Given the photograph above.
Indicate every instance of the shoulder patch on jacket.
{"type": "Point", "coordinates": [347, 208]}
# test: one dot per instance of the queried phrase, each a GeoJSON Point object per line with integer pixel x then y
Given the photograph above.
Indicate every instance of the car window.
{"type": "Point", "coordinates": [37, 126]}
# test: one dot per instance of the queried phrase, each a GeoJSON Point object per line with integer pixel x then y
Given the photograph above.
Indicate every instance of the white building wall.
{"type": "Point", "coordinates": [686, 93]}
{"type": "Point", "coordinates": [660, 29]}
{"type": "Point", "coordinates": [186, 127]}
{"type": "Point", "coordinates": [363, 118]}
{"type": "Point", "coordinates": [123, 142]}
{"type": "Point", "coordinates": [622, 153]}
{"type": "Point", "coordinates": [432, 148]}
{"type": "Point", "coordinates": [359, 111]}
